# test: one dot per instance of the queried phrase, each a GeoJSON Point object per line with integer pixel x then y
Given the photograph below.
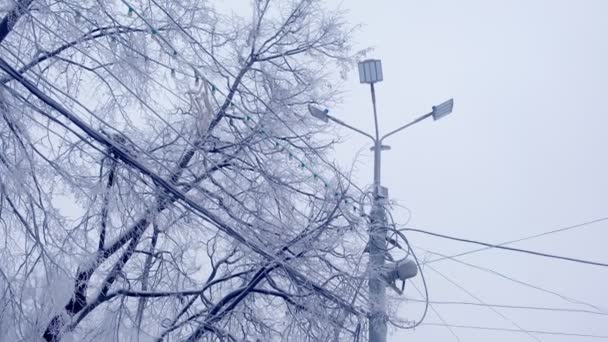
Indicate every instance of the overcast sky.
{"type": "Point", "coordinates": [522, 154]}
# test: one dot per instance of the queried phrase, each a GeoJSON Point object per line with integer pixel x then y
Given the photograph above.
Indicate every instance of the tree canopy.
{"type": "Point", "coordinates": [161, 179]}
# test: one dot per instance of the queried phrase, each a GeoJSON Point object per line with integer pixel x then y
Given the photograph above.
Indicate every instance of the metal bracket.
{"type": "Point", "coordinates": [382, 148]}
{"type": "Point", "coordinates": [382, 192]}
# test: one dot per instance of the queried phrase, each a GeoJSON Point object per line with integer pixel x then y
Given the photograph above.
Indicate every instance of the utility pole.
{"type": "Point", "coordinates": [378, 229]}
{"type": "Point", "coordinates": [370, 72]}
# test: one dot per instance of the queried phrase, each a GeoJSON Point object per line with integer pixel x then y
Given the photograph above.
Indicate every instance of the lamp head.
{"type": "Point", "coordinates": [318, 113]}
{"type": "Point", "coordinates": [401, 270]}
{"type": "Point", "coordinates": [443, 109]}
{"type": "Point", "coordinates": [370, 71]}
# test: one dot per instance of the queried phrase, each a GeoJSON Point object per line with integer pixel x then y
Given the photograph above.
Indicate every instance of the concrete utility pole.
{"type": "Point", "coordinates": [370, 72]}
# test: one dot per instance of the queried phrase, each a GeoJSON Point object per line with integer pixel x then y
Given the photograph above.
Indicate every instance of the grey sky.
{"type": "Point", "coordinates": [523, 152]}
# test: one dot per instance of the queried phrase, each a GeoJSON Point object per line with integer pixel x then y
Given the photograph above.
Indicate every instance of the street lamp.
{"type": "Point", "coordinates": [400, 270]}
{"type": "Point", "coordinates": [370, 71]}
{"type": "Point", "coordinates": [380, 273]}
{"type": "Point", "coordinates": [442, 109]}
{"type": "Point", "coordinates": [318, 113]}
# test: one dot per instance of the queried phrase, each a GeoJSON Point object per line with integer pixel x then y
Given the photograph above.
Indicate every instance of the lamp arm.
{"type": "Point", "coordinates": [406, 126]}
{"type": "Point", "coordinates": [342, 123]}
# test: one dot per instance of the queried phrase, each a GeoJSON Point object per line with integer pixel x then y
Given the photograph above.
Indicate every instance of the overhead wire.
{"type": "Point", "coordinates": [85, 108]}
{"type": "Point", "coordinates": [422, 277]}
{"type": "Point", "coordinates": [514, 307]}
{"type": "Point", "coordinates": [161, 164]}
{"type": "Point", "coordinates": [520, 282]}
{"type": "Point", "coordinates": [596, 310]}
{"type": "Point", "coordinates": [159, 35]}
{"type": "Point", "coordinates": [151, 109]}
{"type": "Point", "coordinates": [539, 332]}
{"type": "Point", "coordinates": [232, 103]}
{"type": "Point", "coordinates": [469, 293]}
{"type": "Point", "coordinates": [275, 114]}
{"type": "Point", "coordinates": [559, 230]}
{"type": "Point", "coordinates": [513, 249]}
{"type": "Point", "coordinates": [204, 213]}
{"type": "Point", "coordinates": [219, 64]}
{"type": "Point", "coordinates": [430, 303]}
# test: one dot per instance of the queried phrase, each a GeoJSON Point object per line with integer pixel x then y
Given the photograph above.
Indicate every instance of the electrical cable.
{"type": "Point", "coordinates": [204, 213]}
{"type": "Point", "coordinates": [275, 113]}
{"type": "Point", "coordinates": [452, 332]}
{"type": "Point", "coordinates": [508, 306]}
{"type": "Point", "coordinates": [426, 291]}
{"type": "Point", "coordinates": [520, 282]}
{"type": "Point", "coordinates": [559, 230]}
{"type": "Point", "coordinates": [85, 108]}
{"type": "Point", "coordinates": [159, 116]}
{"type": "Point", "coordinates": [489, 245]}
{"type": "Point", "coordinates": [540, 332]}
{"type": "Point", "coordinates": [152, 110]}
{"type": "Point", "coordinates": [218, 63]}
{"type": "Point", "coordinates": [519, 328]}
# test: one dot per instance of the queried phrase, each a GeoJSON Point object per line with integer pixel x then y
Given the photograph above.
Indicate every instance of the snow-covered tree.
{"type": "Point", "coordinates": [160, 178]}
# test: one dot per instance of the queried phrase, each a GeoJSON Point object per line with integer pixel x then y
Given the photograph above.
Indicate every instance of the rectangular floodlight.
{"type": "Point", "coordinates": [443, 109]}
{"type": "Point", "coordinates": [370, 71]}
{"type": "Point", "coordinates": [318, 113]}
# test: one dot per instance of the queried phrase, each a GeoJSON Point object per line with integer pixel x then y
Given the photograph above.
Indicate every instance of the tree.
{"type": "Point", "coordinates": [159, 176]}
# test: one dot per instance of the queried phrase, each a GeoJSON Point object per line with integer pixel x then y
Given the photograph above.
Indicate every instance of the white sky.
{"type": "Point", "coordinates": [522, 154]}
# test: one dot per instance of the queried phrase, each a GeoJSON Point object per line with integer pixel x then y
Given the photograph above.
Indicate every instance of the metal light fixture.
{"type": "Point", "coordinates": [442, 109]}
{"type": "Point", "coordinates": [370, 71]}
{"type": "Point", "coordinates": [318, 113]}
{"type": "Point", "coordinates": [401, 270]}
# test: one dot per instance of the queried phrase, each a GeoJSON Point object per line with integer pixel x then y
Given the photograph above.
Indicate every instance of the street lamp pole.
{"type": "Point", "coordinates": [377, 244]}
{"type": "Point", "coordinates": [370, 71]}
{"type": "Point", "coordinates": [377, 142]}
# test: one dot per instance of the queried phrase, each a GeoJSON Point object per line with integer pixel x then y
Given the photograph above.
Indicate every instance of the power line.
{"type": "Point", "coordinates": [155, 113]}
{"type": "Point", "coordinates": [150, 108]}
{"type": "Point", "coordinates": [470, 294]}
{"type": "Point", "coordinates": [227, 95]}
{"type": "Point", "coordinates": [540, 332]}
{"type": "Point", "coordinates": [489, 245]}
{"type": "Point", "coordinates": [220, 65]}
{"type": "Point", "coordinates": [559, 230]}
{"type": "Point", "coordinates": [519, 282]}
{"type": "Point", "coordinates": [506, 306]}
{"type": "Point", "coordinates": [418, 265]}
{"type": "Point", "coordinates": [161, 182]}
{"type": "Point", "coordinates": [158, 35]}
{"type": "Point", "coordinates": [430, 303]}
